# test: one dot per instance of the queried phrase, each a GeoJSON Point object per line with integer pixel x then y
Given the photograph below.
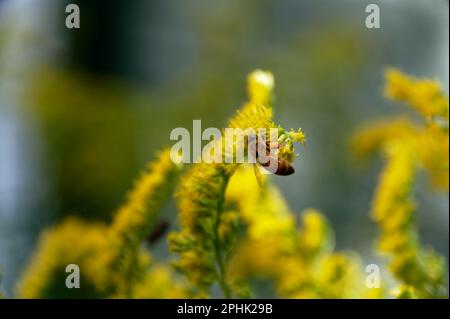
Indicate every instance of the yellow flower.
{"type": "Point", "coordinates": [200, 193]}
{"type": "Point", "coordinates": [260, 86]}
{"type": "Point", "coordinates": [404, 292]}
{"type": "Point", "coordinates": [72, 242]}
{"type": "Point", "coordinates": [298, 136]}
{"type": "Point", "coordinates": [396, 180]}
{"type": "Point", "coordinates": [159, 282]}
{"type": "Point", "coordinates": [372, 137]}
{"type": "Point", "coordinates": [208, 215]}
{"type": "Point", "coordinates": [425, 96]}
{"type": "Point", "coordinates": [408, 147]}
{"type": "Point", "coordinates": [272, 249]}
{"type": "Point", "coordinates": [135, 218]}
{"type": "Point", "coordinates": [313, 235]}
{"type": "Point", "coordinates": [433, 152]}
{"type": "Point", "coordinates": [338, 275]}
{"type": "Point", "coordinates": [110, 257]}
{"type": "Point", "coordinates": [294, 278]}
{"type": "Point", "coordinates": [255, 259]}
{"type": "Point", "coordinates": [253, 116]}
{"type": "Point", "coordinates": [393, 242]}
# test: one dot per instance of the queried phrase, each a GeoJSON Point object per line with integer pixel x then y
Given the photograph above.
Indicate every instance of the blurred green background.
{"type": "Point", "coordinates": [82, 110]}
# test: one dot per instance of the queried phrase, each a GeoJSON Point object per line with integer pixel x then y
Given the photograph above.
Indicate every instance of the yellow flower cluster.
{"type": "Point", "coordinates": [110, 258]}
{"type": "Point", "coordinates": [236, 230]}
{"type": "Point", "coordinates": [159, 283]}
{"type": "Point", "coordinates": [314, 234]}
{"type": "Point", "coordinates": [135, 219]}
{"type": "Point", "coordinates": [393, 205]}
{"type": "Point", "coordinates": [300, 263]}
{"type": "Point", "coordinates": [72, 242]}
{"type": "Point", "coordinates": [408, 147]}
{"type": "Point", "coordinates": [200, 200]}
{"type": "Point", "coordinates": [260, 87]}
{"type": "Point", "coordinates": [433, 150]}
{"type": "Point", "coordinates": [425, 96]}
{"type": "Point", "coordinates": [266, 215]}
{"type": "Point", "coordinates": [371, 138]}
{"type": "Point", "coordinates": [208, 229]}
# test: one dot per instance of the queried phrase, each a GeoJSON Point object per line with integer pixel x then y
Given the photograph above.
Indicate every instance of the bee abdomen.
{"type": "Point", "coordinates": [284, 169]}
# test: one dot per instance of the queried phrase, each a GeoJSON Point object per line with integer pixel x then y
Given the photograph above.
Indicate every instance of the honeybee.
{"type": "Point", "coordinates": [283, 166]}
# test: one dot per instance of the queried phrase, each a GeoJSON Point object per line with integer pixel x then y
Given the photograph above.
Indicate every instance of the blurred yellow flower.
{"type": "Point", "coordinates": [260, 86]}
{"type": "Point", "coordinates": [408, 147]}
{"type": "Point", "coordinates": [425, 96]}
{"type": "Point", "coordinates": [110, 257]}
{"type": "Point", "coordinates": [72, 242]}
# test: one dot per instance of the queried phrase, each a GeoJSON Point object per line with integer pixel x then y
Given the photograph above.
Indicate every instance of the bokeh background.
{"type": "Point", "coordinates": [82, 110]}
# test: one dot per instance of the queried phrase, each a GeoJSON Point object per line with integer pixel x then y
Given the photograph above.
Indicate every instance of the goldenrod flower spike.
{"type": "Point", "coordinates": [433, 152]}
{"type": "Point", "coordinates": [425, 96]}
{"type": "Point", "coordinates": [159, 283]}
{"type": "Point", "coordinates": [408, 147]}
{"type": "Point", "coordinates": [371, 137]}
{"type": "Point", "coordinates": [394, 191]}
{"type": "Point", "coordinates": [72, 242]}
{"type": "Point", "coordinates": [135, 218]}
{"type": "Point", "coordinates": [314, 234]}
{"type": "Point", "coordinates": [207, 230]}
{"type": "Point", "coordinates": [260, 85]}
{"type": "Point", "coordinates": [428, 98]}
{"type": "Point", "coordinates": [300, 263]}
{"type": "Point", "coordinates": [109, 257]}
{"type": "Point", "coordinates": [298, 136]}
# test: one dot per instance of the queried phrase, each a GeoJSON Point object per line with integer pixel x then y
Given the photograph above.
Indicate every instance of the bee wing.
{"type": "Point", "coordinates": [259, 178]}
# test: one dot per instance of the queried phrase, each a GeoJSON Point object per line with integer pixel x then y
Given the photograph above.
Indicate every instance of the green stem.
{"type": "Point", "coordinates": [217, 244]}
{"type": "Point", "coordinates": [222, 271]}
